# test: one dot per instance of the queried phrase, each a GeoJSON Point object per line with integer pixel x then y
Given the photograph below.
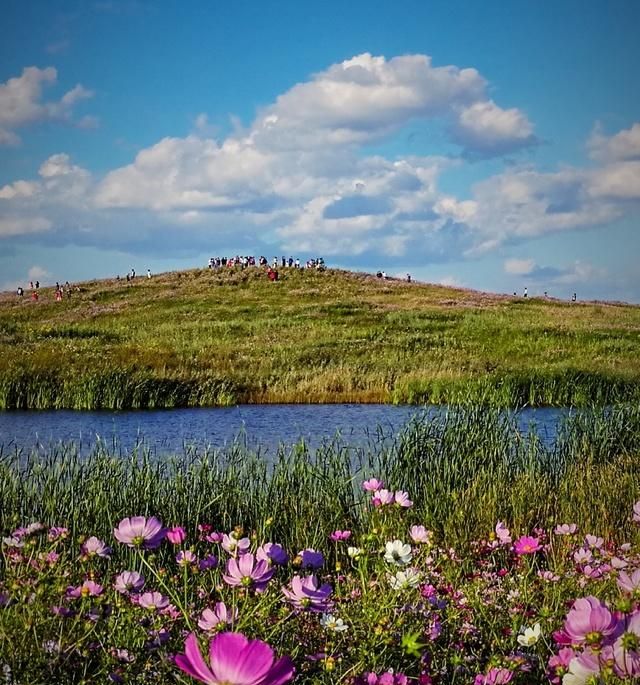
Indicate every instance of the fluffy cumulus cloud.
{"type": "Point", "coordinates": [300, 178]}
{"type": "Point", "coordinates": [578, 272]}
{"type": "Point", "coordinates": [22, 102]}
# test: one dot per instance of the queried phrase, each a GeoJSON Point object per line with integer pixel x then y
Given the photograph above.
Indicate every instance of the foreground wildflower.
{"type": "Point", "coordinates": [246, 571]}
{"type": "Point", "coordinates": [420, 535]}
{"type": "Point", "coordinates": [220, 616]}
{"type": "Point", "coordinates": [139, 531]}
{"type": "Point", "coordinates": [372, 485]}
{"type": "Point", "coordinates": [529, 636]}
{"type": "Point", "coordinates": [305, 593]}
{"type": "Point", "coordinates": [526, 545]}
{"type": "Point", "coordinates": [405, 579]}
{"type": "Point", "coordinates": [153, 601]}
{"type": "Point", "coordinates": [330, 622]}
{"type": "Point", "coordinates": [273, 553]}
{"type": "Point", "coordinates": [235, 660]}
{"type": "Point", "coordinates": [589, 620]}
{"type": "Point", "coordinates": [94, 547]}
{"type": "Point", "coordinates": [176, 535]}
{"type": "Point", "coordinates": [495, 676]}
{"type": "Point", "coordinates": [128, 581]}
{"type": "Point", "coordinates": [397, 552]}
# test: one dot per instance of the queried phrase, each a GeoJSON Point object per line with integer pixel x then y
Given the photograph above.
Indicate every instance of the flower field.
{"type": "Point", "coordinates": [462, 552]}
{"type": "Point", "coordinates": [386, 606]}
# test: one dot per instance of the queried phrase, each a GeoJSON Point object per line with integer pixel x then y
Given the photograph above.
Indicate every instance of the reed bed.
{"type": "Point", "coordinates": [465, 470]}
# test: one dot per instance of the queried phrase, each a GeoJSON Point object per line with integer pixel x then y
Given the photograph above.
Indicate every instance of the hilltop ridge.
{"type": "Point", "coordinates": [221, 336]}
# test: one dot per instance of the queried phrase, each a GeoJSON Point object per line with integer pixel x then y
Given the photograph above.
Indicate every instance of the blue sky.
{"type": "Point", "coordinates": [492, 145]}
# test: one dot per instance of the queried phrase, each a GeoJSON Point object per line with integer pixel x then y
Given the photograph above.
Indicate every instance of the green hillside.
{"type": "Point", "coordinates": [207, 337]}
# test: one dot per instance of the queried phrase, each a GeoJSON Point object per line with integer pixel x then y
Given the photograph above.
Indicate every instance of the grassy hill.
{"type": "Point", "coordinates": [204, 337]}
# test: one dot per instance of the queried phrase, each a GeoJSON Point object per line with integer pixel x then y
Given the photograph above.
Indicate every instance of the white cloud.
{"type": "Point", "coordinates": [519, 267]}
{"type": "Point", "coordinates": [485, 129]}
{"type": "Point", "coordinates": [17, 225]}
{"type": "Point", "coordinates": [37, 273]}
{"type": "Point", "coordinates": [617, 180]}
{"type": "Point", "coordinates": [624, 145]}
{"type": "Point", "coordinates": [22, 103]}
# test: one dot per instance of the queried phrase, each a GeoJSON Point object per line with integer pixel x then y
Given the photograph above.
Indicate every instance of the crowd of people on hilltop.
{"type": "Point", "coordinates": [283, 262]}
{"type": "Point", "coordinates": [61, 291]}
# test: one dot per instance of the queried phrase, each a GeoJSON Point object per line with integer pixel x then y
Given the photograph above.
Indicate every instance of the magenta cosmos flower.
{"type": "Point", "coordinates": [176, 535]}
{"type": "Point", "coordinates": [128, 581]}
{"type": "Point", "coordinates": [139, 531]}
{"type": "Point", "coordinates": [220, 616]}
{"type": "Point", "coordinates": [94, 547]}
{"type": "Point", "coordinates": [234, 660]}
{"type": "Point", "coordinates": [247, 572]}
{"type": "Point", "coordinates": [372, 485]}
{"type": "Point", "coordinates": [590, 621]}
{"type": "Point", "coordinates": [526, 545]}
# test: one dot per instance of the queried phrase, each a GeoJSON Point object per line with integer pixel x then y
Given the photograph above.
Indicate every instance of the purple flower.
{"type": "Point", "coordinates": [235, 660]}
{"type": "Point", "coordinates": [526, 545]}
{"type": "Point", "coordinates": [305, 593]}
{"type": "Point", "coordinates": [372, 485]}
{"type": "Point", "coordinates": [245, 571]}
{"type": "Point", "coordinates": [593, 541]}
{"type": "Point", "coordinates": [210, 561]}
{"type": "Point", "coordinates": [220, 616]}
{"type": "Point", "coordinates": [56, 532]}
{"type": "Point", "coordinates": [273, 553]}
{"type": "Point", "coordinates": [153, 600]}
{"type": "Point", "coordinates": [94, 547]}
{"type": "Point", "coordinates": [590, 621]}
{"type": "Point", "coordinates": [139, 531]}
{"type": "Point", "coordinates": [309, 558]}
{"type": "Point", "coordinates": [176, 535]}
{"type": "Point", "coordinates": [129, 581]}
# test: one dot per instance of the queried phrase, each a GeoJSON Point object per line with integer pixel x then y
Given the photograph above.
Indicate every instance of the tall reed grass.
{"type": "Point", "coordinates": [465, 470]}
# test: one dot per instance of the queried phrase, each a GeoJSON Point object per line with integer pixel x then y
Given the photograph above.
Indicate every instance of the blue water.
{"type": "Point", "coordinates": [259, 426]}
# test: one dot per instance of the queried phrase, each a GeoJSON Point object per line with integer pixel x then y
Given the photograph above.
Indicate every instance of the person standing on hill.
{"type": "Point", "coordinates": [525, 294]}
{"type": "Point", "coordinates": [148, 273]}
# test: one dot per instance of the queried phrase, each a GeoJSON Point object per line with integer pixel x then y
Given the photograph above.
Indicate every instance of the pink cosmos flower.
{"type": "Point", "coordinates": [593, 541]}
{"type": "Point", "coordinates": [234, 545]}
{"type": "Point", "coordinates": [57, 533]}
{"type": "Point", "coordinates": [565, 529]}
{"type": "Point", "coordinates": [420, 535]}
{"type": "Point", "coordinates": [402, 499]}
{"type": "Point", "coordinates": [558, 664]}
{"type": "Point", "coordinates": [153, 600]}
{"type": "Point", "coordinates": [503, 534]}
{"type": "Point", "coordinates": [629, 583]}
{"type": "Point", "coordinates": [626, 649]}
{"type": "Point", "coordinates": [94, 547]}
{"type": "Point", "coordinates": [372, 485]}
{"type": "Point", "coordinates": [235, 660]}
{"type": "Point", "coordinates": [590, 621]}
{"type": "Point", "coordinates": [139, 531]}
{"type": "Point", "coordinates": [273, 553]}
{"type": "Point", "coordinates": [382, 497]}
{"type": "Point", "coordinates": [87, 589]}
{"type": "Point", "coordinates": [305, 593]}
{"type": "Point", "coordinates": [582, 556]}
{"type": "Point", "coordinates": [186, 558]}
{"type": "Point", "coordinates": [220, 616]}
{"type": "Point", "coordinates": [526, 545]}
{"type": "Point", "coordinates": [494, 676]}
{"type": "Point", "coordinates": [176, 535]}
{"type": "Point", "coordinates": [246, 571]}
{"type": "Point", "coordinates": [340, 535]}
{"type": "Point", "coordinates": [128, 581]}
{"type": "Point", "coordinates": [582, 668]}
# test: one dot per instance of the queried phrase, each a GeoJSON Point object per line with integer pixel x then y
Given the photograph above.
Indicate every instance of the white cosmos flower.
{"type": "Point", "coordinates": [330, 622]}
{"type": "Point", "coordinates": [354, 552]}
{"type": "Point", "coordinates": [397, 552]}
{"type": "Point", "coordinates": [529, 636]}
{"type": "Point", "coordinates": [404, 579]}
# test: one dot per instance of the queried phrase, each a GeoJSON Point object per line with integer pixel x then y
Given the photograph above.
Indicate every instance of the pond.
{"type": "Point", "coordinates": [173, 431]}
